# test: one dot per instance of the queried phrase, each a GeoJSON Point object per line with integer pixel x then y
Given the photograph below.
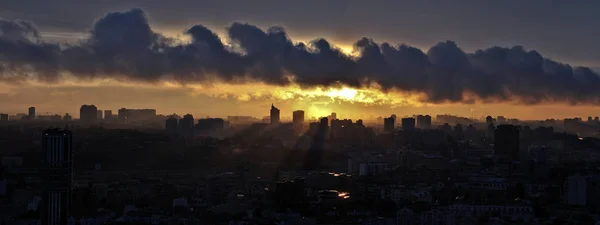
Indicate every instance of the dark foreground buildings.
{"type": "Point", "coordinates": [58, 174]}
{"type": "Point", "coordinates": [506, 141]}
{"type": "Point", "coordinates": [209, 125]}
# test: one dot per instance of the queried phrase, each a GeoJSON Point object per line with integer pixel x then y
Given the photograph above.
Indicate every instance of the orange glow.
{"type": "Point", "coordinates": [254, 98]}
{"type": "Point", "coordinates": [347, 49]}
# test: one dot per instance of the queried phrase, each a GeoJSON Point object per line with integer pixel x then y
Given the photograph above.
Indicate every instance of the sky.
{"type": "Point", "coordinates": [221, 57]}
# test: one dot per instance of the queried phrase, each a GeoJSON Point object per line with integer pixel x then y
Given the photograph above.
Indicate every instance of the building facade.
{"type": "Point", "coordinates": [88, 113]}
{"type": "Point", "coordinates": [274, 115]}
{"type": "Point", "coordinates": [32, 112]}
{"type": "Point", "coordinates": [408, 123]}
{"type": "Point", "coordinates": [58, 175]}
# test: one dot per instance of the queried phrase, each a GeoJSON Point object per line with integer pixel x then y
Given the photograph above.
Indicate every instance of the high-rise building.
{"type": "Point", "coordinates": [274, 115]}
{"type": "Point", "coordinates": [99, 115]}
{"type": "Point", "coordinates": [489, 120]}
{"type": "Point", "coordinates": [108, 115]}
{"type": "Point", "coordinates": [58, 175]}
{"type": "Point", "coordinates": [298, 117]}
{"type": "Point", "coordinates": [506, 141]}
{"type": "Point", "coordinates": [583, 190]}
{"type": "Point", "coordinates": [317, 146]}
{"type": "Point", "coordinates": [596, 119]}
{"type": "Point", "coordinates": [31, 112]}
{"type": "Point", "coordinates": [388, 124]}
{"type": "Point", "coordinates": [408, 123]}
{"type": "Point", "coordinates": [338, 128]}
{"type": "Point", "coordinates": [333, 116]}
{"type": "Point", "coordinates": [88, 113]}
{"type": "Point", "coordinates": [67, 117]}
{"type": "Point", "coordinates": [186, 125]}
{"type": "Point", "coordinates": [171, 125]}
{"type": "Point", "coordinates": [3, 117]}
{"type": "Point", "coordinates": [324, 123]}
{"type": "Point", "coordinates": [424, 121]}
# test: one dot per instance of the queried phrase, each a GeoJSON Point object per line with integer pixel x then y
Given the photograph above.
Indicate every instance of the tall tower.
{"type": "Point", "coordinates": [58, 175]}
{"type": "Point", "coordinates": [172, 125]}
{"type": "Point", "coordinates": [388, 124]}
{"type": "Point", "coordinates": [186, 125]}
{"type": "Point", "coordinates": [31, 112]}
{"type": "Point", "coordinates": [99, 115]}
{"type": "Point", "coordinates": [298, 117]}
{"type": "Point", "coordinates": [274, 115]}
{"type": "Point", "coordinates": [108, 115]}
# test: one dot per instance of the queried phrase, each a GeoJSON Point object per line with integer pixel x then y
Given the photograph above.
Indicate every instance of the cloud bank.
{"type": "Point", "coordinates": [122, 45]}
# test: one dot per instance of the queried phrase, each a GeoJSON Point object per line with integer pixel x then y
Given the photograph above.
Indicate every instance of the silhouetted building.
{"type": "Point", "coordinates": [583, 191]}
{"type": "Point", "coordinates": [99, 115]}
{"type": "Point", "coordinates": [274, 115]}
{"type": "Point", "coordinates": [388, 124]}
{"type": "Point", "coordinates": [298, 117]}
{"type": "Point", "coordinates": [589, 119]}
{"type": "Point", "coordinates": [67, 117]}
{"type": "Point", "coordinates": [171, 125]}
{"type": "Point", "coordinates": [506, 141]}
{"type": "Point", "coordinates": [315, 152]}
{"type": "Point", "coordinates": [210, 125]}
{"type": "Point", "coordinates": [58, 175]}
{"type": "Point", "coordinates": [446, 128]}
{"type": "Point", "coordinates": [3, 117]}
{"type": "Point", "coordinates": [108, 115]}
{"type": "Point", "coordinates": [136, 114]}
{"type": "Point", "coordinates": [489, 120]}
{"type": "Point", "coordinates": [88, 113]}
{"type": "Point", "coordinates": [337, 128]}
{"type": "Point", "coordinates": [31, 112]}
{"type": "Point", "coordinates": [501, 119]}
{"type": "Point", "coordinates": [596, 119]}
{"type": "Point", "coordinates": [408, 123]}
{"type": "Point", "coordinates": [323, 123]}
{"type": "Point", "coordinates": [333, 116]}
{"type": "Point", "coordinates": [572, 122]}
{"type": "Point", "coordinates": [424, 121]}
{"type": "Point", "coordinates": [186, 125]}
{"type": "Point", "coordinates": [359, 123]}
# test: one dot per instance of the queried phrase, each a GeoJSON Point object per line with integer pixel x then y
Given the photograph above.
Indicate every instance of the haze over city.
{"type": "Point", "coordinates": [240, 60]}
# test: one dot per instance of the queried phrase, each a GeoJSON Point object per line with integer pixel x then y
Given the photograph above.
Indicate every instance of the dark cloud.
{"type": "Point", "coordinates": [122, 45]}
{"type": "Point", "coordinates": [22, 53]}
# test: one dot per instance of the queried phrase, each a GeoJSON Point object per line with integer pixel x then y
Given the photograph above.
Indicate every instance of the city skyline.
{"type": "Point", "coordinates": [97, 115]}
